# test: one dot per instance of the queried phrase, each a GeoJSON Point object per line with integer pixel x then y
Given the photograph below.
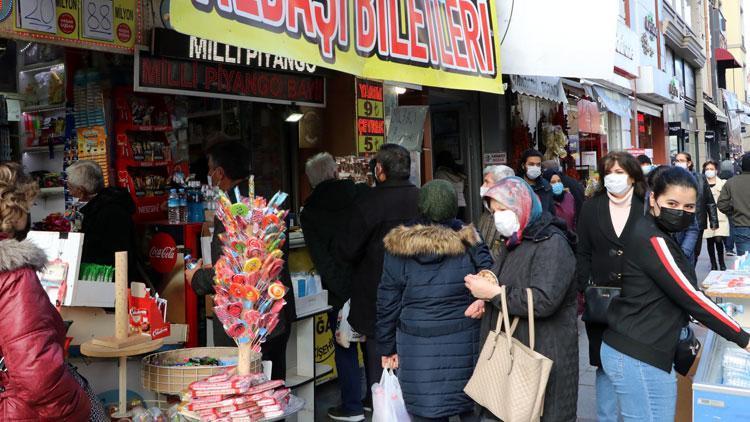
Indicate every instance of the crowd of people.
{"type": "Point", "coordinates": [414, 274]}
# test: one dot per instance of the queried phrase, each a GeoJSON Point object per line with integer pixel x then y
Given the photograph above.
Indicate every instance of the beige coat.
{"type": "Point", "coordinates": [723, 230]}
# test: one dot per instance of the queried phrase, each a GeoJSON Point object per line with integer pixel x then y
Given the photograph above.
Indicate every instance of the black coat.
{"type": "Point", "coordinates": [576, 189]}
{"type": "Point", "coordinates": [108, 228]}
{"type": "Point", "coordinates": [543, 190]}
{"type": "Point", "coordinates": [421, 303]}
{"type": "Point", "coordinates": [328, 205]}
{"type": "Point", "coordinates": [544, 262]}
{"type": "Point", "coordinates": [600, 256]}
{"type": "Point", "coordinates": [203, 280]}
{"type": "Point", "coordinates": [705, 207]}
{"type": "Point", "coordinates": [360, 243]}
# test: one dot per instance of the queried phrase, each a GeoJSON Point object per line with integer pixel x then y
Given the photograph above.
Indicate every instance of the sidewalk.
{"type": "Point", "coordinates": [327, 395]}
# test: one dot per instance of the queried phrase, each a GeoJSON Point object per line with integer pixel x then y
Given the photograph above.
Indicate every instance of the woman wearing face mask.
{"type": "Point", "coordinates": [486, 225]}
{"type": "Point", "coordinates": [539, 257]}
{"type": "Point", "coordinates": [35, 383]}
{"type": "Point", "coordinates": [715, 237]}
{"type": "Point", "coordinates": [565, 204]}
{"type": "Point", "coordinates": [658, 296]}
{"type": "Point", "coordinates": [604, 221]}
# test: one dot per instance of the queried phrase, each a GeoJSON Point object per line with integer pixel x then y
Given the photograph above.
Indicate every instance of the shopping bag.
{"type": "Point", "coordinates": [387, 400]}
{"type": "Point", "coordinates": [345, 334]}
{"type": "Point", "coordinates": [510, 378]}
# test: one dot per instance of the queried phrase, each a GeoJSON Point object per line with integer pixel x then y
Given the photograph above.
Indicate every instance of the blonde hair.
{"type": "Point", "coordinates": [17, 193]}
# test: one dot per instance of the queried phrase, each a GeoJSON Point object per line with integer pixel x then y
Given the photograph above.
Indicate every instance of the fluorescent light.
{"type": "Point", "coordinates": [399, 90]}
{"type": "Point", "coordinates": [294, 117]}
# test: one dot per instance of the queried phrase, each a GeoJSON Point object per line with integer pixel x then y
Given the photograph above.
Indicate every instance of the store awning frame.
{"type": "Point", "coordinates": [716, 111]}
{"type": "Point", "coordinates": [613, 102]}
{"type": "Point", "coordinates": [546, 88]}
{"type": "Point", "coordinates": [726, 58]}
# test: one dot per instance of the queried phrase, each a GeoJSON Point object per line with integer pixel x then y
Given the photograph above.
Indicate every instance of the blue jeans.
{"type": "Point", "coordinates": [645, 393]}
{"type": "Point", "coordinates": [606, 398]}
{"type": "Point", "coordinates": [742, 239]}
{"type": "Point", "coordinates": [347, 369]}
{"type": "Point", "coordinates": [729, 240]}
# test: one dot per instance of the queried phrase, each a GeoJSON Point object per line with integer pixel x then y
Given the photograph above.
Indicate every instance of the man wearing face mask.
{"type": "Point", "coordinates": [229, 170]}
{"type": "Point", "coordinates": [646, 164]}
{"type": "Point", "coordinates": [486, 226]}
{"type": "Point", "coordinates": [531, 172]}
{"type": "Point", "coordinates": [691, 240]}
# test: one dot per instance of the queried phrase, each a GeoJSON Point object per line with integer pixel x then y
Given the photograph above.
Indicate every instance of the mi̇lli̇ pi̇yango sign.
{"type": "Point", "coordinates": [444, 43]}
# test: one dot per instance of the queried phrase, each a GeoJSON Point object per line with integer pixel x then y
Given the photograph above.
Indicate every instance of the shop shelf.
{"type": "Point", "coordinates": [295, 380]}
{"type": "Point", "coordinates": [44, 108]}
{"type": "Point", "coordinates": [47, 192]}
{"type": "Point", "coordinates": [145, 163]}
{"type": "Point", "coordinates": [43, 149]}
{"type": "Point", "coordinates": [145, 128]}
{"type": "Point", "coordinates": [40, 66]}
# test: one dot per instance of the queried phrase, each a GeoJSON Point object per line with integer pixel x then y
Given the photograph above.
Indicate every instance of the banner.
{"type": "Point", "coordinates": [443, 43]}
{"type": "Point", "coordinates": [370, 122]}
{"type": "Point", "coordinates": [96, 24]}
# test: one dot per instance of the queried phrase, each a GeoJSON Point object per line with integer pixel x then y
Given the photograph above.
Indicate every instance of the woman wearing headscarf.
{"type": "Point", "coordinates": [422, 327]}
{"type": "Point", "coordinates": [540, 258]}
{"type": "Point", "coordinates": [486, 224]}
{"type": "Point", "coordinates": [565, 203]}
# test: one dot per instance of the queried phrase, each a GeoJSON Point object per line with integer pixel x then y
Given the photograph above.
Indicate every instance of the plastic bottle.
{"type": "Point", "coordinates": [195, 203]}
{"type": "Point", "coordinates": [173, 207]}
{"type": "Point", "coordinates": [183, 206]}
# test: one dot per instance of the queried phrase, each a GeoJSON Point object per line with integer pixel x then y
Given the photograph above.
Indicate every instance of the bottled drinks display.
{"type": "Point", "coordinates": [183, 206]}
{"type": "Point", "coordinates": [173, 207]}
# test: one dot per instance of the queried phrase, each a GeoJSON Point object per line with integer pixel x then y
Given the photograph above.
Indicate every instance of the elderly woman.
{"type": "Point", "coordinates": [421, 323]}
{"type": "Point", "coordinates": [540, 258]}
{"type": "Point", "coordinates": [486, 226]}
{"type": "Point", "coordinates": [107, 216]}
{"type": "Point", "coordinates": [34, 384]}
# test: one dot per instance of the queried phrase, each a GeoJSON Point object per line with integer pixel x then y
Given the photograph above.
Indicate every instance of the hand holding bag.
{"type": "Point", "coordinates": [510, 378]}
{"type": "Point", "coordinates": [387, 400]}
{"type": "Point", "coordinates": [597, 303]}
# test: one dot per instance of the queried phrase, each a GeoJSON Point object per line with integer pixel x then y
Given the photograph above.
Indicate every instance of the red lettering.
{"type": "Point", "coordinates": [343, 17]}
{"type": "Point", "coordinates": [416, 22]}
{"type": "Point", "coordinates": [456, 33]}
{"type": "Point", "coordinates": [470, 22]}
{"type": "Point", "coordinates": [489, 48]}
{"type": "Point", "coordinates": [238, 86]}
{"type": "Point", "coordinates": [247, 9]}
{"type": "Point", "coordinates": [291, 88]}
{"type": "Point", "coordinates": [273, 12]}
{"type": "Point", "coordinates": [250, 85]}
{"type": "Point", "coordinates": [263, 85]}
{"type": "Point", "coordinates": [433, 32]}
{"type": "Point", "coordinates": [365, 29]}
{"type": "Point", "coordinates": [294, 8]}
{"type": "Point", "coordinates": [225, 5]}
{"type": "Point", "coordinates": [171, 79]}
{"type": "Point", "coordinates": [276, 87]}
{"type": "Point", "coordinates": [446, 53]}
{"type": "Point", "coordinates": [150, 71]}
{"type": "Point", "coordinates": [212, 77]}
{"type": "Point", "coordinates": [399, 47]}
{"type": "Point", "coordinates": [383, 47]}
{"type": "Point", "coordinates": [326, 27]}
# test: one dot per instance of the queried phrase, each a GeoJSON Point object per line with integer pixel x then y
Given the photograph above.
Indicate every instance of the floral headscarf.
{"type": "Point", "coordinates": [516, 195]}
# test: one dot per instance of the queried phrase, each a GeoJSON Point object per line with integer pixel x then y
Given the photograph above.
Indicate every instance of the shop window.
{"type": "Point", "coordinates": [689, 81]}
{"type": "Point", "coordinates": [615, 132]}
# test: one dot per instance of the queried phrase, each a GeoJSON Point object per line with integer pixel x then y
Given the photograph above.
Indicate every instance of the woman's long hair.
{"type": "Point", "coordinates": [628, 163]}
{"type": "Point", "coordinates": [17, 193]}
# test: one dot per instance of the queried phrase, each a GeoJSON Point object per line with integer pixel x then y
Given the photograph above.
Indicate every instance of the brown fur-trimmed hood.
{"type": "Point", "coordinates": [434, 240]}
{"type": "Point", "coordinates": [15, 255]}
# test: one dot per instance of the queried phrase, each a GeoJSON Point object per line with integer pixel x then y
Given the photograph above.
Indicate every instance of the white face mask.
{"type": "Point", "coordinates": [483, 191]}
{"type": "Point", "coordinates": [646, 169]}
{"type": "Point", "coordinates": [533, 172]}
{"type": "Point", "coordinates": [506, 223]}
{"type": "Point", "coordinates": [616, 184]}
{"type": "Point", "coordinates": [710, 174]}
{"type": "Point", "coordinates": [682, 165]}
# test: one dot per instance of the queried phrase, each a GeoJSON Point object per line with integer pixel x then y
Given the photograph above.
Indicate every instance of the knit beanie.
{"type": "Point", "coordinates": [437, 201]}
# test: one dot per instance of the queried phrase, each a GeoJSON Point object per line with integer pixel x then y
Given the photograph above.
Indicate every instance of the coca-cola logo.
{"type": "Point", "coordinates": [162, 253]}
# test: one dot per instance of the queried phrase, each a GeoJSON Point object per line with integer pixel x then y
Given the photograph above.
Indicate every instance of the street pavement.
{"type": "Point", "coordinates": [327, 395]}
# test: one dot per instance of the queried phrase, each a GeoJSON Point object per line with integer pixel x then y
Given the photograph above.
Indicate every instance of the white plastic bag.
{"type": "Point", "coordinates": [387, 400]}
{"type": "Point", "coordinates": [345, 334]}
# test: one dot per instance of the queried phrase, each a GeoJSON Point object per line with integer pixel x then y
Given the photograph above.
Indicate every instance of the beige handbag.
{"type": "Point", "coordinates": [510, 378]}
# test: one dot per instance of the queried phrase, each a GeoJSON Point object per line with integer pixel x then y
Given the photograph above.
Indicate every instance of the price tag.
{"type": "Point", "coordinates": [37, 15]}
{"type": "Point", "coordinates": [97, 19]}
{"type": "Point", "coordinates": [370, 123]}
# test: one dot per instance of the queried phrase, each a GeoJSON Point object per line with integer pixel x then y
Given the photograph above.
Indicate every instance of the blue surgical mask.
{"type": "Point", "coordinates": [557, 188]}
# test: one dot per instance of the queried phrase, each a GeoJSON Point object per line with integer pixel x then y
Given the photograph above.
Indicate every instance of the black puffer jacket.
{"type": "Point", "coordinates": [705, 208]}
{"type": "Point", "coordinates": [421, 303]}
{"type": "Point", "coordinates": [360, 243]}
{"type": "Point", "coordinates": [328, 205]}
{"type": "Point", "coordinates": [544, 262]}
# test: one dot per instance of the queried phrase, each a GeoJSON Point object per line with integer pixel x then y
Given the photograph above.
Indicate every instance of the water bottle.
{"type": "Point", "coordinates": [183, 206]}
{"type": "Point", "coordinates": [173, 207]}
{"type": "Point", "coordinates": [195, 203]}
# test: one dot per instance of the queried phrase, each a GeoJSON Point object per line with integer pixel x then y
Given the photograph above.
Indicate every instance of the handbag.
{"type": "Point", "coordinates": [597, 302]}
{"type": "Point", "coordinates": [686, 353]}
{"type": "Point", "coordinates": [510, 378]}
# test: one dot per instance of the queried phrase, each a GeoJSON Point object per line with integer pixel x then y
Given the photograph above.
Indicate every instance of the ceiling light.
{"type": "Point", "coordinates": [399, 90]}
{"type": "Point", "coordinates": [294, 116]}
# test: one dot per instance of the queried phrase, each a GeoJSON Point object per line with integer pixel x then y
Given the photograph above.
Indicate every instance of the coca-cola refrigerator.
{"type": "Point", "coordinates": [165, 246]}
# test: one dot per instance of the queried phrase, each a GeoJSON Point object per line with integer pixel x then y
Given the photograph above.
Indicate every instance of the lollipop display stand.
{"type": "Point", "coordinates": [121, 345]}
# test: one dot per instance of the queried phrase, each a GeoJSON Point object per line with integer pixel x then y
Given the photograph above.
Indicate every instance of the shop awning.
{"type": "Point", "coordinates": [612, 101]}
{"type": "Point", "coordinates": [723, 55]}
{"type": "Point", "coordinates": [650, 109]}
{"type": "Point", "coordinates": [744, 119]}
{"type": "Point", "coordinates": [547, 88]}
{"type": "Point", "coordinates": [713, 109]}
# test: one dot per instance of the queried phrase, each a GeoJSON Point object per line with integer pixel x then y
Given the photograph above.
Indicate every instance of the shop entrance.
{"type": "Point", "coordinates": [456, 149]}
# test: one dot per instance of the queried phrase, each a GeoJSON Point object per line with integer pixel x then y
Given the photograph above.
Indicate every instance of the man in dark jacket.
{"type": "Point", "coordinates": [391, 203]}
{"type": "Point", "coordinates": [229, 169]}
{"type": "Point", "coordinates": [107, 218]}
{"type": "Point", "coordinates": [691, 240]}
{"type": "Point", "coordinates": [734, 201]}
{"type": "Point", "coordinates": [329, 204]}
{"type": "Point", "coordinates": [531, 172]}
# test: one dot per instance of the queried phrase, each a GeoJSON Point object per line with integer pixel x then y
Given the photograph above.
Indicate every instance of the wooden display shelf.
{"type": "Point", "coordinates": [43, 108]}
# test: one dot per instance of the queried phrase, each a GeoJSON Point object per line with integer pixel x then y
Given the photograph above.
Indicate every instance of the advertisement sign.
{"type": "Point", "coordinates": [495, 158]}
{"type": "Point", "coordinates": [370, 123]}
{"type": "Point", "coordinates": [407, 127]}
{"type": "Point", "coordinates": [96, 24]}
{"type": "Point", "coordinates": [162, 253]}
{"type": "Point", "coordinates": [229, 81]}
{"type": "Point", "coordinates": [450, 43]}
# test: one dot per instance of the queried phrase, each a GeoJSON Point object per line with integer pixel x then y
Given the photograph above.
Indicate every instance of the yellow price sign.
{"type": "Point", "coordinates": [370, 144]}
{"type": "Point", "coordinates": [370, 108]}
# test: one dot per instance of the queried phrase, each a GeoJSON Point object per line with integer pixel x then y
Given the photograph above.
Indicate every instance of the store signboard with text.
{"type": "Point", "coordinates": [444, 43]}
{"type": "Point", "coordinates": [94, 24]}
{"type": "Point", "coordinates": [370, 117]}
{"type": "Point", "coordinates": [165, 75]}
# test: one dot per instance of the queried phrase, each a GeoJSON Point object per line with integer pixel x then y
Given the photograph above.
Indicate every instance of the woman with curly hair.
{"type": "Point", "coordinates": [34, 381]}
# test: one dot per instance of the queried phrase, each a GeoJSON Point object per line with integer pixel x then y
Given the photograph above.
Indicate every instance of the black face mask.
{"type": "Point", "coordinates": [674, 221]}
